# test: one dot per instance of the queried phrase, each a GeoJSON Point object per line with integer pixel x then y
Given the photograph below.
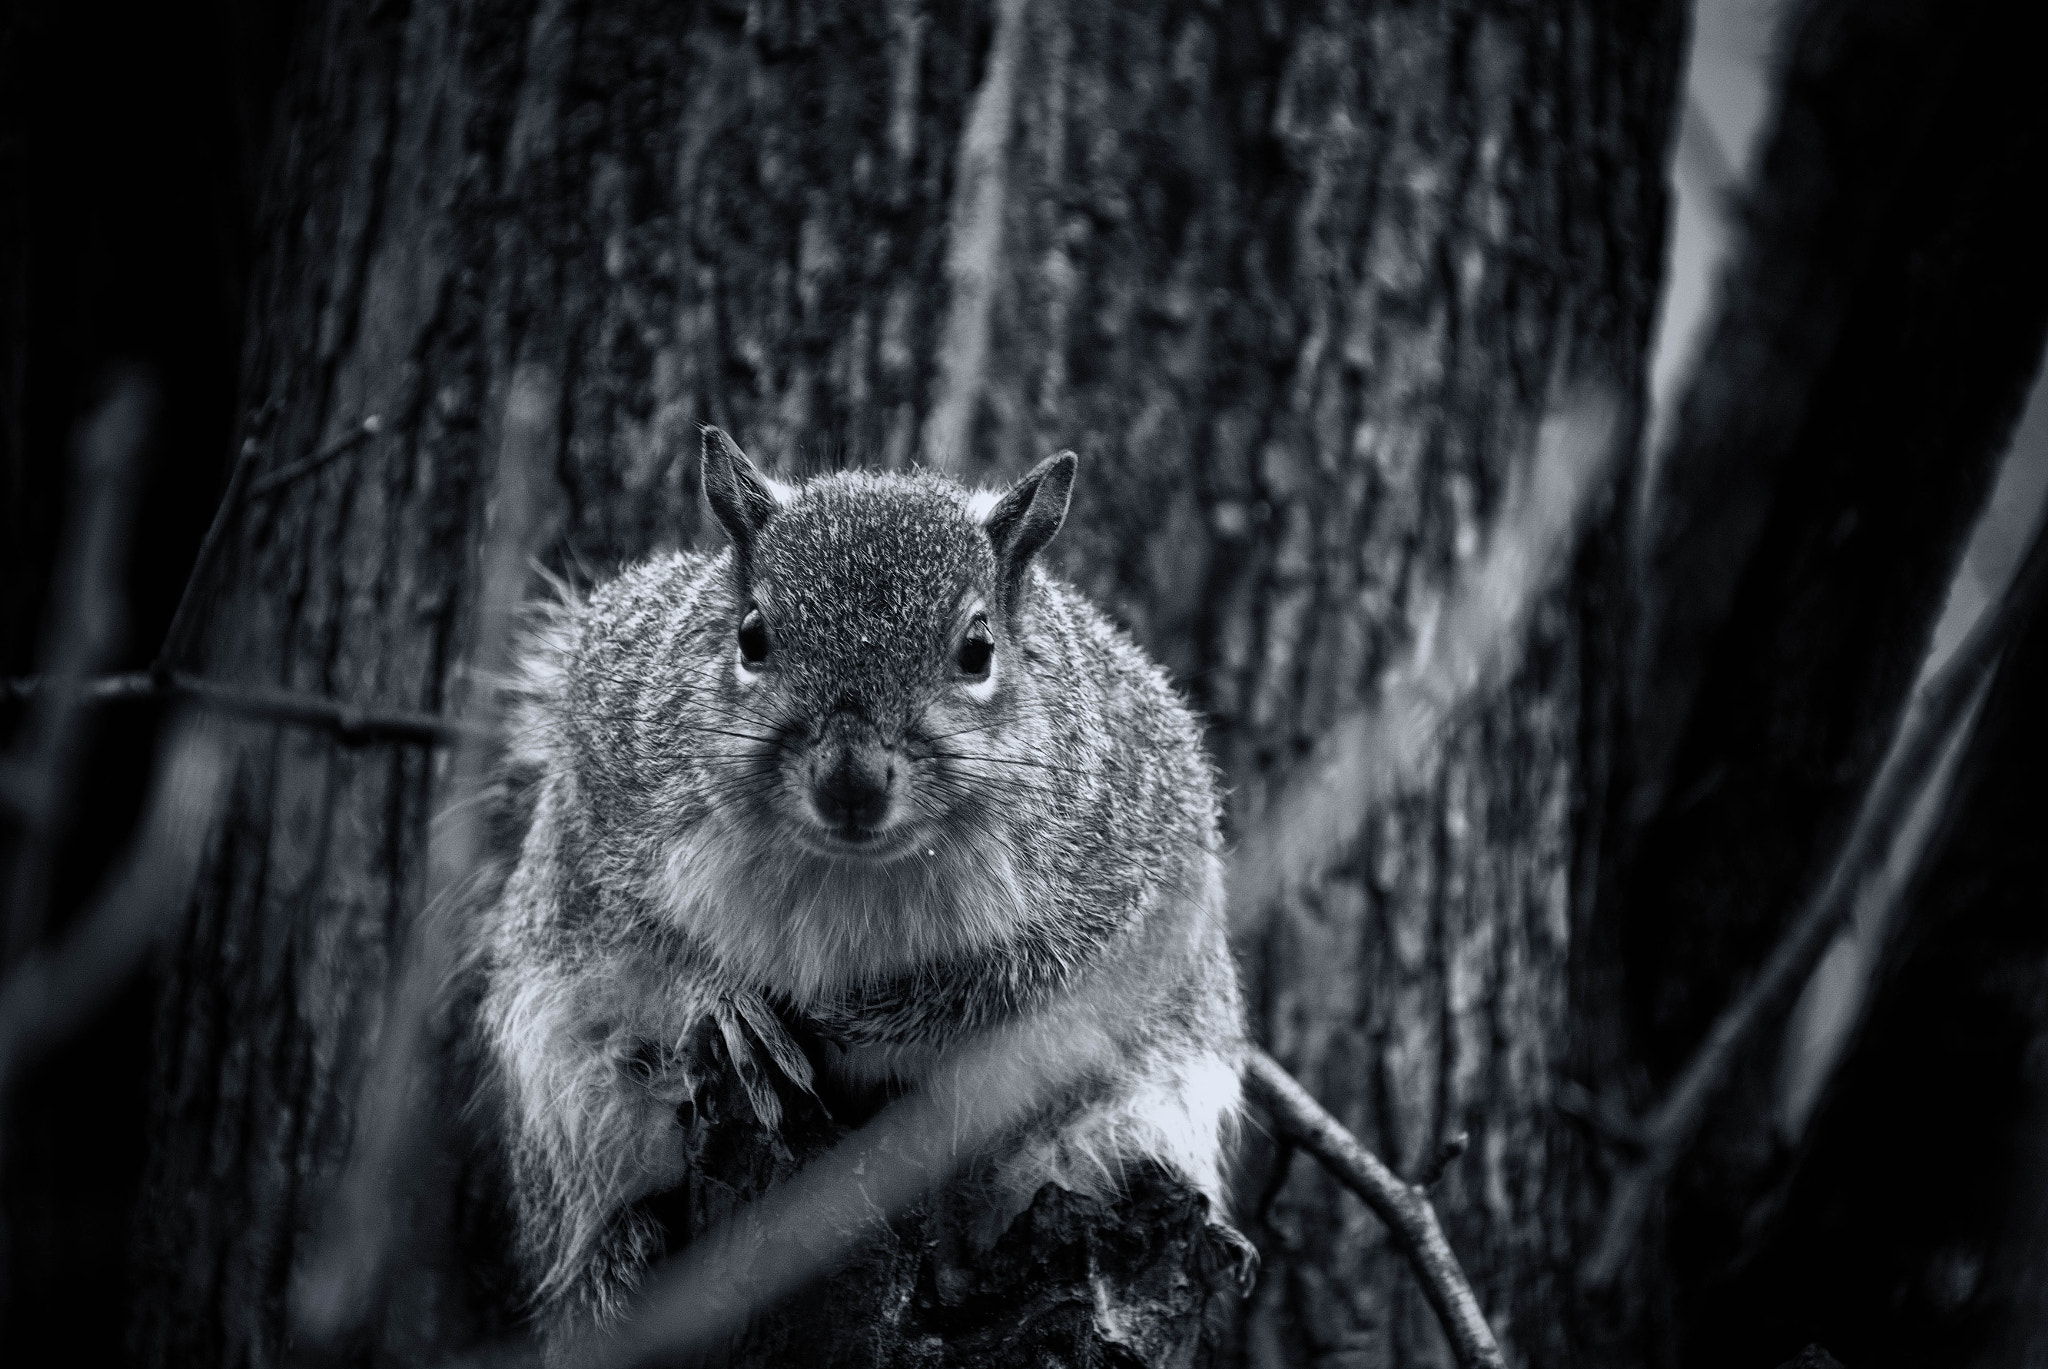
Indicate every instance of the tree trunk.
{"type": "Point", "coordinates": [1452, 972]}
{"type": "Point", "coordinates": [1297, 283]}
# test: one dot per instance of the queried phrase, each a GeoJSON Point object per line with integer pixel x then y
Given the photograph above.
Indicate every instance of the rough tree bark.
{"type": "Point", "coordinates": [1489, 211]}
{"type": "Point", "coordinates": [1298, 281]}
{"type": "Point", "coordinates": [1882, 322]}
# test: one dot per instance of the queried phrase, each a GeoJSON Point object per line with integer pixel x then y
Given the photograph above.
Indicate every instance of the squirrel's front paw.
{"type": "Point", "coordinates": [736, 1038]}
{"type": "Point", "coordinates": [749, 1030]}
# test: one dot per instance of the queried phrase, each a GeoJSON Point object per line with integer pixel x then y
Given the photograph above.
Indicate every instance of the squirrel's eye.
{"type": "Point", "coordinates": [977, 648]}
{"type": "Point", "coordinates": [754, 636]}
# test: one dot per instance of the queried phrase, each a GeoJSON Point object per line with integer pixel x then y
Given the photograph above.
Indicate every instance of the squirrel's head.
{"type": "Point", "coordinates": [877, 652]}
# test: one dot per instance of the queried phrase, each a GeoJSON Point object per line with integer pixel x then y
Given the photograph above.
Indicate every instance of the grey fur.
{"type": "Point", "coordinates": [1050, 848]}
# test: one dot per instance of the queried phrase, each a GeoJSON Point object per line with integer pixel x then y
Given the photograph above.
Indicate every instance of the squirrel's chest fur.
{"type": "Point", "coordinates": [886, 963]}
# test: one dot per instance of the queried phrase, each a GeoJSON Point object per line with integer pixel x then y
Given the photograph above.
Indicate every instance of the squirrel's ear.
{"type": "Point", "coordinates": [740, 495]}
{"type": "Point", "coordinates": [1027, 516]}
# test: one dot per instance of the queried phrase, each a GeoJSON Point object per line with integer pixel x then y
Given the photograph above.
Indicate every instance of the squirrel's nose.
{"type": "Point", "coordinates": [854, 790]}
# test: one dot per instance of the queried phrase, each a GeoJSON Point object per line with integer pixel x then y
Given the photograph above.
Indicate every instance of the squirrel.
{"type": "Point", "coordinates": [870, 774]}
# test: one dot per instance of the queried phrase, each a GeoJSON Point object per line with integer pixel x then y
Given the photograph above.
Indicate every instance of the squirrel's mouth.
{"type": "Point", "coordinates": [852, 840]}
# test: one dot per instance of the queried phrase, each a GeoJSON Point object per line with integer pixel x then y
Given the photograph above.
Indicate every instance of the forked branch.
{"type": "Point", "coordinates": [244, 485]}
{"type": "Point", "coordinates": [1404, 1207]}
{"type": "Point", "coordinates": [813, 1222]}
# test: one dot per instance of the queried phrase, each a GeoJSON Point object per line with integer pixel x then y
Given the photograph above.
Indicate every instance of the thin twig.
{"type": "Point", "coordinates": [244, 485]}
{"type": "Point", "coordinates": [1446, 1155]}
{"type": "Point", "coordinates": [83, 625]}
{"type": "Point", "coordinates": [177, 644]}
{"type": "Point", "coordinates": [1404, 1207]}
{"type": "Point", "coordinates": [273, 481]}
{"type": "Point", "coordinates": [52, 992]}
{"type": "Point", "coordinates": [1944, 704]}
{"type": "Point", "coordinates": [348, 722]}
{"type": "Point", "coordinates": [1381, 749]}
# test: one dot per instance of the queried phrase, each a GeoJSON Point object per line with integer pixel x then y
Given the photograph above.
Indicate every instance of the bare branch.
{"type": "Point", "coordinates": [82, 628]}
{"type": "Point", "coordinates": [1944, 706]}
{"type": "Point", "coordinates": [817, 1220]}
{"type": "Point", "coordinates": [346, 721]}
{"type": "Point", "coordinates": [1446, 1155]}
{"type": "Point", "coordinates": [177, 644]}
{"type": "Point", "coordinates": [243, 486]}
{"type": "Point", "coordinates": [276, 480]}
{"type": "Point", "coordinates": [54, 991]}
{"type": "Point", "coordinates": [1473, 641]}
{"type": "Point", "coordinates": [1404, 1207]}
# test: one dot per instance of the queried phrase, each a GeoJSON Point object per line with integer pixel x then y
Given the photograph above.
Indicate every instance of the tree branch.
{"type": "Point", "coordinates": [243, 486]}
{"type": "Point", "coordinates": [1943, 705]}
{"type": "Point", "coordinates": [1404, 1207]}
{"type": "Point", "coordinates": [814, 1221]}
{"type": "Point", "coordinates": [1446, 1155]}
{"type": "Point", "coordinates": [346, 721]}
{"type": "Point", "coordinates": [284, 475]}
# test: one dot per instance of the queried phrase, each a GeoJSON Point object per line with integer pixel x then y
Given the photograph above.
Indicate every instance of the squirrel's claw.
{"type": "Point", "coordinates": [739, 1052]}
{"type": "Point", "coordinates": [749, 1031]}
{"type": "Point", "coordinates": [737, 1033]}
{"type": "Point", "coordinates": [1229, 1259]}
